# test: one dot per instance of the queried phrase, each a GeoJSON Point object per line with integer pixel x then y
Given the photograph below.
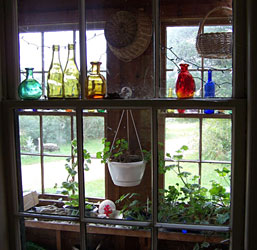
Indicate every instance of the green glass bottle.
{"type": "Point", "coordinates": [29, 89]}
{"type": "Point", "coordinates": [55, 76]}
{"type": "Point", "coordinates": [71, 75]}
{"type": "Point", "coordinates": [96, 83]}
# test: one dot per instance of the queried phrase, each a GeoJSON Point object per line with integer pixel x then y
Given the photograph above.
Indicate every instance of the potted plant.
{"type": "Point", "coordinates": [126, 169]}
{"type": "Point", "coordinates": [188, 202]}
{"type": "Point", "coordinates": [132, 208]}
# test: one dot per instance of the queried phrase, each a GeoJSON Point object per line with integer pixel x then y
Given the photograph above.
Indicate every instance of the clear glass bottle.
{"type": "Point", "coordinates": [55, 75]}
{"type": "Point", "coordinates": [95, 83]}
{"type": "Point", "coordinates": [209, 91]}
{"type": "Point", "coordinates": [29, 89]}
{"type": "Point", "coordinates": [71, 75]}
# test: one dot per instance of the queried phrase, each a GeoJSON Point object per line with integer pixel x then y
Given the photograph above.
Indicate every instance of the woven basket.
{"type": "Point", "coordinates": [214, 45]}
{"type": "Point", "coordinates": [141, 40]}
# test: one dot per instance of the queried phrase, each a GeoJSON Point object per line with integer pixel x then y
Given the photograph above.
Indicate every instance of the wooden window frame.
{"type": "Point", "coordinates": [237, 104]}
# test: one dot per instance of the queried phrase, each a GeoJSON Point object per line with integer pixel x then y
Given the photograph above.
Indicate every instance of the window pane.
{"type": "Point", "coordinates": [181, 41]}
{"type": "Point", "coordinates": [62, 38]}
{"type": "Point", "coordinates": [29, 133]}
{"type": "Point", "coordinates": [182, 131]}
{"type": "Point", "coordinates": [31, 173]}
{"type": "Point", "coordinates": [94, 128]}
{"type": "Point", "coordinates": [96, 48]}
{"type": "Point", "coordinates": [172, 177]}
{"type": "Point", "coordinates": [55, 174]}
{"type": "Point", "coordinates": [57, 135]}
{"type": "Point", "coordinates": [217, 139]}
{"type": "Point", "coordinates": [212, 172]}
{"type": "Point", "coordinates": [30, 51]}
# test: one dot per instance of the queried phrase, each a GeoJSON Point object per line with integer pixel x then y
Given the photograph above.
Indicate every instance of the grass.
{"type": "Point", "coordinates": [208, 174]}
{"type": "Point", "coordinates": [92, 146]}
{"type": "Point", "coordinates": [94, 188]}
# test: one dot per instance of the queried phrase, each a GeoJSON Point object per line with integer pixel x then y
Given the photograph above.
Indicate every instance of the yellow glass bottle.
{"type": "Point", "coordinates": [170, 95]}
{"type": "Point", "coordinates": [71, 75]}
{"type": "Point", "coordinates": [55, 76]}
{"type": "Point", "coordinates": [95, 83]}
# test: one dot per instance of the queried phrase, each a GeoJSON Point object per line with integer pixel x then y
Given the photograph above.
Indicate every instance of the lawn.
{"type": "Point", "coordinates": [179, 131]}
{"type": "Point", "coordinates": [92, 146]}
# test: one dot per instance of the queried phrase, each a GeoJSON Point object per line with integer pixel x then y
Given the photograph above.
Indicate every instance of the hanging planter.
{"type": "Point", "coordinates": [127, 174]}
{"type": "Point", "coordinates": [126, 169]}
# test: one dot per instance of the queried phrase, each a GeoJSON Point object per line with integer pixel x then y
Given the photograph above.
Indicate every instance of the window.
{"type": "Point", "coordinates": [148, 229]}
{"type": "Point", "coordinates": [208, 137]}
{"type": "Point", "coordinates": [56, 129]}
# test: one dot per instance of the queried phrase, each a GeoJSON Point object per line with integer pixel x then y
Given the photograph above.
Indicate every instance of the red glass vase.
{"type": "Point", "coordinates": [185, 85]}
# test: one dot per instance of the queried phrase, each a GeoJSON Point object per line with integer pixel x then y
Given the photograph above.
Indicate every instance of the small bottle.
{"type": "Point", "coordinates": [95, 83]}
{"type": "Point", "coordinates": [209, 91]}
{"type": "Point", "coordinates": [170, 95]}
{"type": "Point", "coordinates": [55, 76]}
{"type": "Point", "coordinates": [29, 89]}
{"type": "Point", "coordinates": [71, 75]}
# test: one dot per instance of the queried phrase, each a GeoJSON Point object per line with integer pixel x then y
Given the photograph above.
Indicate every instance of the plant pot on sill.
{"type": "Point", "coordinates": [127, 174]}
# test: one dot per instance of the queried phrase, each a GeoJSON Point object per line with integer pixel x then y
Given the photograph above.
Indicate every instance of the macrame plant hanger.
{"type": "Point", "coordinates": [128, 112]}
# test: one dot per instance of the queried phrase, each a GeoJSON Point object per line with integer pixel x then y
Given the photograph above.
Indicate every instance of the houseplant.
{"type": "Point", "coordinates": [190, 202]}
{"type": "Point", "coordinates": [132, 208]}
{"type": "Point", "coordinates": [126, 169]}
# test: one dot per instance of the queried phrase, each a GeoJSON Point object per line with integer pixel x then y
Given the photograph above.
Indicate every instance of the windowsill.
{"type": "Point", "coordinates": [225, 103]}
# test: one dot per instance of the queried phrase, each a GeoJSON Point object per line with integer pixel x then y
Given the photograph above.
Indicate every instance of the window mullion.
{"type": "Point", "coordinates": [81, 180]}
{"type": "Point", "coordinates": [41, 154]}
{"type": "Point", "coordinates": [200, 148]}
{"type": "Point", "coordinates": [83, 47]}
{"type": "Point", "coordinates": [154, 185]}
{"type": "Point", "coordinates": [43, 63]}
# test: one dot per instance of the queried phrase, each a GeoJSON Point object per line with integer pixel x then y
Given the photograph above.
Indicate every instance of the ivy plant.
{"type": "Point", "coordinates": [70, 185]}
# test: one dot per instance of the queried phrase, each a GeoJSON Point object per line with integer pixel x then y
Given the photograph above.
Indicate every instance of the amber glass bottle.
{"type": "Point", "coordinates": [55, 76]}
{"type": "Point", "coordinates": [71, 75]}
{"type": "Point", "coordinates": [95, 83]}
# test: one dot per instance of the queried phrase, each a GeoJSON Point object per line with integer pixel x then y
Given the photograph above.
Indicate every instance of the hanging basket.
{"type": "Point", "coordinates": [127, 174]}
{"type": "Point", "coordinates": [128, 34]}
{"type": "Point", "coordinates": [214, 45]}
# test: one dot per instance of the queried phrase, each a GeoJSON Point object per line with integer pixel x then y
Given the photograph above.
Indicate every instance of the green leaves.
{"type": "Point", "coordinates": [191, 203]}
{"type": "Point", "coordinates": [119, 152]}
{"type": "Point", "coordinates": [70, 186]}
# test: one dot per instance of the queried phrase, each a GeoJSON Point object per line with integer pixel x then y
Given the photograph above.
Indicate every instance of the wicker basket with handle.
{"type": "Point", "coordinates": [214, 45]}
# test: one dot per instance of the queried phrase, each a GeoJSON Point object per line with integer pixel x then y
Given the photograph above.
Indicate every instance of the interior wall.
{"type": "Point", "coordinates": [3, 209]}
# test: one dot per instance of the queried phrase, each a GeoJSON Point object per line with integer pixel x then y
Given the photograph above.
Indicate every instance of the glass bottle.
{"type": "Point", "coordinates": [95, 83]}
{"type": "Point", "coordinates": [55, 76]}
{"type": "Point", "coordinates": [71, 75]}
{"type": "Point", "coordinates": [185, 85]}
{"type": "Point", "coordinates": [209, 91]}
{"type": "Point", "coordinates": [29, 89]}
{"type": "Point", "coordinates": [170, 95]}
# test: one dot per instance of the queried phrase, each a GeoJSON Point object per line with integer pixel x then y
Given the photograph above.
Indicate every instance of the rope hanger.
{"type": "Point", "coordinates": [128, 112]}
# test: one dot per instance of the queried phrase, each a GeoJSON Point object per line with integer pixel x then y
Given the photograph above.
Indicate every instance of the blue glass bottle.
{"type": "Point", "coordinates": [209, 91]}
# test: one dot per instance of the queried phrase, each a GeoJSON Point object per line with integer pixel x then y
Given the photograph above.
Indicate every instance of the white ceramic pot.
{"type": "Point", "coordinates": [127, 174]}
